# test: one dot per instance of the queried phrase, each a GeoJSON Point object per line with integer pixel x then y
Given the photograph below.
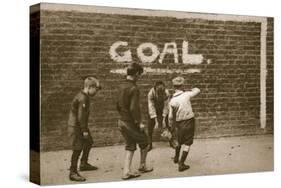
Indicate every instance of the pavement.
{"type": "Point", "coordinates": [211, 156]}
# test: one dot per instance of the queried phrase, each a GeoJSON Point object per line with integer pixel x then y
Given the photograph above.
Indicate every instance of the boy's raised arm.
{"type": "Point", "coordinates": [194, 92]}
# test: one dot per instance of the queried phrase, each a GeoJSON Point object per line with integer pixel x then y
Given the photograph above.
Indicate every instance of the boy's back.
{"type": "Point", "coordinates": [182, 106]}
{"type": "Point", "coordinates": [128, 102]}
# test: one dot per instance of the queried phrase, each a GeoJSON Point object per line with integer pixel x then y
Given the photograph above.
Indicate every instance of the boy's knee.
{"type": "Point", "coordinates": [144, 145]}
{"type": "Point", "coordinates": [186, 147]}
{"type": "Point", "coordinates": [131, 147]}
{"type": "Point", "coordinates": [76, 153]}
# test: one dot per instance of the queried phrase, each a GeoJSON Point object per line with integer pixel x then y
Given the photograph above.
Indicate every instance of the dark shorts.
{"type": "Point", "coordinates": [77, 141]}
{"type": "Point", "coordinates": [185, 131]}
{"type": "Point", "coordinates": [133, 136]}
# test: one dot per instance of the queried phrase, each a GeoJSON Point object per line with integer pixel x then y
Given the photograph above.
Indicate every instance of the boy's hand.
{"type": "Point", "coordinates": [142, 126]}
{"type": "Point", "coordinates": [85, 134]}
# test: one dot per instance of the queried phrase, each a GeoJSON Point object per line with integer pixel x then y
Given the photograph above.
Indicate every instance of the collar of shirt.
{"type": "Point", "coordinates": [177, 93]}
{"type": "Point", "coordinates": [131, 81]}
{"type": "Point", "coordinates": [84, 93]}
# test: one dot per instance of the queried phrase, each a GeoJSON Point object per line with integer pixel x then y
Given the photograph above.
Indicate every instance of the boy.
{"type": "Point", "coordinates": [157, 97]}
{"type": "Point", "coordinates": [78, 126]}
{"type": "Point", "coordinates": [181, 117]}
{"type": "Point", "coordinates": [130, 122]}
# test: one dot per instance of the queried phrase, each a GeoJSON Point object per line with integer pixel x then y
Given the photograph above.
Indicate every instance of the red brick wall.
{"type": "Point", "coordinates": [74, 44]}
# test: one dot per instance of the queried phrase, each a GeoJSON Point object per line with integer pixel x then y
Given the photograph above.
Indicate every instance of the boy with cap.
{"type": "Point", "coordinates": [158, 98]}
{"type": "Point", "coordinates": [81, 138]}
{"type": "Point", "coordinates": [182, 118]}
{"type": "Point", "coordinates": [130, 122]}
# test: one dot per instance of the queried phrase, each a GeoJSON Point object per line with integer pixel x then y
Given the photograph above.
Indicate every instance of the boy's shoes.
{"type": "Point", "coordinates": [145, 169]}
{"type": "Point", "coordinates": [75, 176]}
{"type": "Point", "coordinates": [183, 167]}
{"type": "Point", "coordinates": [149, 148]}
{"type": "Point", "coordinates": [87, 167]}
{"type": "Point", "coordinates": [130, 176]}
{"type": "Point", "coordinates": [176, 159]}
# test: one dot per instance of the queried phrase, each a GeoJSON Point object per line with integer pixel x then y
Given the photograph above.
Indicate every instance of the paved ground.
{"type": "Point", "coordinates": [207, 157]}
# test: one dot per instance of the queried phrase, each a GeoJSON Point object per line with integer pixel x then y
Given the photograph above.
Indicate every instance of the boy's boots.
{"type": "Point", "coordinates": [85, 166]}
{"type": "Point", "coordinates": [182, 166]}
{"type": "Point", "coordinates": [75, 176]}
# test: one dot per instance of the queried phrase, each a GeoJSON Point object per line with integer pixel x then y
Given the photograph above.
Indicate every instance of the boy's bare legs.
{"type": "Point", "coordinates": [128, 161]}
{"type": "Point", "coordinates": [182, 166]}
{"type": "Point", "coordinates": [143, 154]}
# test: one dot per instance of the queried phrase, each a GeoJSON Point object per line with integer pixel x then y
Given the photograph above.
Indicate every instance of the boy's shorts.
{"type": "Point", "coordinates": [132, 136]}
{"type": "Point", "coordinates": [77, 140]}
{"type": "Point", "coordinates": [185, 131]}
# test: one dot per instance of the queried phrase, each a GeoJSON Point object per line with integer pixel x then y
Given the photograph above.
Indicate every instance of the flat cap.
{"type": "Point", "coordinates": [178, 81]}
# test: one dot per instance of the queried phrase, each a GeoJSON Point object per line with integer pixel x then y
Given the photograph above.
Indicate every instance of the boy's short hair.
{"type": "Point", "coordinates": [159, 83]}
{"type": "Point", "coordinates": [178, 87]}
{"type": "Point", "coordinates": [91, 81]}
{"type": "Point", "coordinates": [133, 69]}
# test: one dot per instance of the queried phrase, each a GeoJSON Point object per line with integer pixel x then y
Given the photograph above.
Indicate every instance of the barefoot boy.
{"type": "Point", "coordinates": [81, 138]}
{"type": "Point", "coordinates": [130, 121]}
{"type": "Point", "coordinates": [181, 117]}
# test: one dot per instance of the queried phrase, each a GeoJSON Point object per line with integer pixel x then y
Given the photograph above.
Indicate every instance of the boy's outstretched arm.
{"type": "Point", "coordinates": [194, 91]}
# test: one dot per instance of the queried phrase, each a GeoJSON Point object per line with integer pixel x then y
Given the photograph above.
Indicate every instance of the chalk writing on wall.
{"type": "Point", "coordinates": [118, 54]}
{"type": "Point", "coordinates": [169, 48]}
{"type": "Point", "coordinates": [125, 57]}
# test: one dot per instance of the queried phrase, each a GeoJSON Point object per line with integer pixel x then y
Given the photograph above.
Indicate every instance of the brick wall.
{"type": "Point", "coordinates": [76, 43]}
{"type": "Point", "coordinates": [270, 74]}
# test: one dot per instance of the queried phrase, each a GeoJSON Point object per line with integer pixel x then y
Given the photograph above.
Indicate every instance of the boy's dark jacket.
{"type": "Point", "coordinates": [79, 112]}
{"type": "Point", "coordinates": [128, 104]}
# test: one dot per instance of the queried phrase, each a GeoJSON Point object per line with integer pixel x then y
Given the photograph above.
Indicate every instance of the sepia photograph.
{"type": "Point", "coordinates": [121, 94]}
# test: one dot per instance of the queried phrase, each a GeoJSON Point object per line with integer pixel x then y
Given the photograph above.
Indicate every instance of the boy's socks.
{"type": "Point", "coordinates": [74, 175]}
{"type": "Point", "coordinates": [177, 154]}
{"type": "Point", "coordinates": [182, 166]}
{"type": "Point", "coordinates": [74, 160]}
{"type": "Point", "coordinates": [183, 157]}
{"type": "Point", "coordinates": [85, 154]}
{"type": "Point", "coordinates": [85, 166]}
